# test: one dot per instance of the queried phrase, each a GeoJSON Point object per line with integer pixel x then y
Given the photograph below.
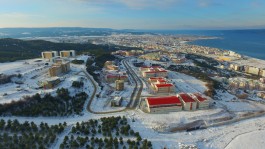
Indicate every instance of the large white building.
{"type": "Point", "coordinates": [202, 102]}
{"type": "Point", "coordinates": [183, 101]}
{"type": "Point", "coordinates": [163, 104]}
{"type": "Point", "coordinates": [154, 71]}
{"type": "Point", "coordinates": [188, 103]}
{"type": "Point", "coordinates": [160, 85]}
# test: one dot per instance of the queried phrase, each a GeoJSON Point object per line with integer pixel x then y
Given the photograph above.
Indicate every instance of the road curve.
{"type": "Point", "coordinates": [131, 104]}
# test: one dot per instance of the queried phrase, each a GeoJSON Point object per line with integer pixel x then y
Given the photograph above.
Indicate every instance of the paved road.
{"type": "Point", "coordinates": [135, 96]}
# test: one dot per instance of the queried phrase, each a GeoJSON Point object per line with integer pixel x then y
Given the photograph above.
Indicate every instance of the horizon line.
{"type": "Point", "coordinates": [240, 28]}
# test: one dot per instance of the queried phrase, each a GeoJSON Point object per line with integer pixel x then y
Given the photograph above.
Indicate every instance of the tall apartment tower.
{"type": "Point", "coordinates": [119, 85]}
{"type": "Point", "coordinates": [49, 54]}
{"type": "Point", "coordinates": [70, 53]}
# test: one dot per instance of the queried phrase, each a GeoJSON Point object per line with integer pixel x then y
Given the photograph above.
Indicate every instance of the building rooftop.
{"type": "Point", "coordinates": [199, 97]}
{"type": "Point", "coordinates": [169, 100]}
{"type": "Point", "coordinates": [156, 78]}
{"type": "Point", "coordinates": [161, 80]}
{"type": "Point", "coordinates": [186, 98]}
{"type": "Point", "coordinates": [151, 67]}
{"type": "Point", "coordinates": [163, 85]}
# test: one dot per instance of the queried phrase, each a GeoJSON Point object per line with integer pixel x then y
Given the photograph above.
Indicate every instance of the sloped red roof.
{"type": "Point", "coordinates": [145, 67]}
{"type": "Point", "coordinates": [155, 78]}
{"type": "Point", "coordinates": [161, 71]}
{"type": "Point", "coordinates": [116, 76]}
{"type": "Point", "coordinates": [123, 76]}
{"type": "Point", "coordinates": [161, 80]}
{"type": "Point", "coordinates": [163, 85]}
{"type": "Point", "coordinates": [151, 67]}
{"type": "Point", "coordinates": [186, 97]}
{"type": "Point", "coordinates": [112, 76]}
{"type": "Point", "coordinates": [150, 72]}
{"type": "Point", "coordinates": [168, 100]}
{"type": "Point", "coordinates": [199, 97]}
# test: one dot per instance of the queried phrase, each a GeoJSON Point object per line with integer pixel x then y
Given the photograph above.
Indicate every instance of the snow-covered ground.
{"type": "Point", "coordinates": [33, 72]}
{"type": "Point", "coordinates": [22, 67]}
{"type": "Point", "coordinates": [185, 83]}
{"type": "Point", "coordinates": [153, 126]}
{"type": "Point", "coordinates": [253, 139]}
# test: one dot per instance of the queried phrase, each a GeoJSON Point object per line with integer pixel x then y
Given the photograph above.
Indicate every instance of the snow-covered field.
{"type": "Point", "coordinates": [253, 139]}
{"type": "Point", "coordinates": [185, 83]}
{"type": "Point", "coordinates": [161, 122]}
{"type": "Point", "coordinates": [22, 67]}
{"type": "Point", "coordinates": [33, 72]}
{"type": "Point", "coordinates": [153, 126]}
{"type": "Point", "coordinates": [211, 138]}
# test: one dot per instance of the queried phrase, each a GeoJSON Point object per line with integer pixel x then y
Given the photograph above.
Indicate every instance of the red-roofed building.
{"type": "Point", "coordinates": [109, 65]}
{"type": "Point", "coordinates": [160, 85]}
{"type": "Point", "coordinates": [154, 71]}
{"type": "Point", "coordinates": [164, 88]}
{"type": "Point", "coordinates": [154, 79]}
{"type": "Point", "coordinates": [163, 104]}
{"type": "Point", "coordinates": [188, 103]}
{"type": "Point", "coordinates": [157, 80]}
{"type": "Point", "coordinates": [202, 102]}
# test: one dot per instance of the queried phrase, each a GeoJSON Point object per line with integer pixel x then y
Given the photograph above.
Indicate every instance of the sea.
{"type": "Point", "coordinates": [249, 42]}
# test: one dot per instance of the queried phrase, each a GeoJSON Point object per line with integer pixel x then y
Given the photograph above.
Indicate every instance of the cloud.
{"type": "Point", "coordinates": [17, 15]}
{"type": "Point", "coordinates": [208, 3]}
{"type": "Point", "coordinates": [137, 4]}
{"type": "Point", "coordinates": [257, 4]}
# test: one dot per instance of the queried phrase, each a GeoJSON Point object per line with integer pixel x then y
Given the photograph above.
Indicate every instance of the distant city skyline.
{"type": "Point", "coordinates": [134, 14]}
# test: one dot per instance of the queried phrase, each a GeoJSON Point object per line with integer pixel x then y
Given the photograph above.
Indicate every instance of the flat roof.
{"type": "Point", "coordinates": [168, 100]}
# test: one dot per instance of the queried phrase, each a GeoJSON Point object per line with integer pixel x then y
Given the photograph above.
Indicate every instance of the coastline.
{"type": "Point", "coordinates": [243, 48]}
{"type": "Point", "coordinates": [245, 60]}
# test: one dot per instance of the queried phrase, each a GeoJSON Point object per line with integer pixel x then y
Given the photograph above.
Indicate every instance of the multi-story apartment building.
{"type": "Point", "coordinates": [68, 53]}
{"type": "Point", "coordinates": [49, 54]}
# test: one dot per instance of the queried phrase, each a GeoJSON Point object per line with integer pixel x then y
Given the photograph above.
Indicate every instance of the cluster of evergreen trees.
{"type": "Point", "coordinates": [15, 49]}
{"type": "Point", "coordinates": [7, 78]}
{"type": "Point", "coordinates": [75, 61]}
{"type": "Point", "coordinates": [108, 132]}
{"type": "Point", "coordinates": [61, 105]}
{"type": "Point", "coordinates": [77, 84]}
{"type": "Point", "coordinates": [28, 135]}
{"type": "Point", "coordinates": [99, 61]}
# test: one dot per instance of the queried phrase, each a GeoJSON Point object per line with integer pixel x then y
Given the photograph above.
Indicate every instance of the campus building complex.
{"type": "Point", "coordinates": [182, 101]}
{"type": "Point", "coordinates": [153, 71]}
{"type": "Point", "coordinates": [160, 85]}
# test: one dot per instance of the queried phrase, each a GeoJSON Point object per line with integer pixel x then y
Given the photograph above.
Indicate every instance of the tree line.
{"type": "Point", "coordinates": [28, 135]}
{"type": "Point", "coordinates": [60, 105]}
{"type": "Point", "coordinates": [107, 132]}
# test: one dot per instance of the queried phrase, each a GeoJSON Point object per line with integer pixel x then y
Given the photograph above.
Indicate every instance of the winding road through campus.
{"type": "Point", "coordinates": [134, 98]}
{"type": "Point", "coordinates": [89, 113]}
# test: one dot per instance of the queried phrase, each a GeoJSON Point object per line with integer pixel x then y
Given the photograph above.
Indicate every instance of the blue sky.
{"type": "Point", "coordinates": [134, 14]}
